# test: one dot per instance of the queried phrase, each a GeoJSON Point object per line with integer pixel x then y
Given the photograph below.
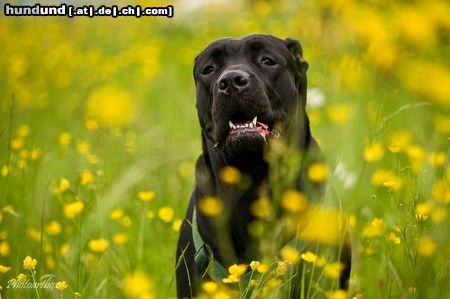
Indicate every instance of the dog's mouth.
{"type": "Point", "coordinates": [249, 128]}
{"type": "Point", "coordinates": [245, 137]}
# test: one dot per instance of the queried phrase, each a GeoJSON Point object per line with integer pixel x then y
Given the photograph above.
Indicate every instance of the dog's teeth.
{"type": "Point", "coordinates": [231, 125]}
{"type": "Point", "coordinates": [246, 125]}
{"type": "Point", "coordinates": [251, 125]}
{"type": "Point", "coordinates": [255, 120]}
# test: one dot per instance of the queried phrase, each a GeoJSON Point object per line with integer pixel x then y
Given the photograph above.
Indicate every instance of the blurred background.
{"type": "Point", "coordinates": [99, 136]}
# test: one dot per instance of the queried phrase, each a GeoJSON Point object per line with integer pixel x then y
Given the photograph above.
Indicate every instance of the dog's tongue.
{"type": "Point", "coordinates": [263, 129]}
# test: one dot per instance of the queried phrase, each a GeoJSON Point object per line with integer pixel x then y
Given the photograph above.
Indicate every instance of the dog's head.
{"type": "Point", "coordinates": [245, 87]}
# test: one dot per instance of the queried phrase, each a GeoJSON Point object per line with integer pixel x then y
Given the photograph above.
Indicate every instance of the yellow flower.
{"type": "Point", "coordinates": [318, 172]}
{"type": "Point", "coordinates": [339, 113]}
{"type": "Point", "coordinates": [138, 285]}
{"type": "Point", "coordinates": [261, 207]}
{"type": "Point", "coordinates": [17, 143]}
{"type": "Point", "coordinates": [92, 159]}
{"type": "Point", "coordinates": [21, 164]}
{"type": "Point", "coordinates": [65, 138]}
{"type": "Point", "coordinates": [120, 238]}
{"type": "Point", "coordinates": [4, 269]}
{"type": "Point", "coordinates": [322, 225]}
{"type": "Point", "coordinates": [87, 177]}
{"type": "Point", "coordinates": [53, 228]}
{"type": "Point", "coordinates": [416, 155]}
{"type": "Point", "coordinates": [91, 124]}
{"type": "Point", "coordinates": [442, 123]}
{"type": "Point", "coordinates": [309, 257]}
{"type": "Point", "coordinates": [373, 229]}
{"type": "Point", "coordinates": [339, 294]}
{"type": "Point", "coordinates": [71, 210]}
{"type": "Point", "coordinates": [24, 154]}
{"type": "Point", "coordinates": [34, 234]}
{"type": "Point", "coordinates": [333, 270]}
{"type": "Point", "coordinates": [210, 287]}
{"type": "Point", "coordinates": [4, 248]}
{"type": "Point", "coordinates": [441, 191]}
{"type": "Point", "coordinates": [21, 278]}
{"type": "Point", "coordinates": [373, 152]}
{"type": "Point", "coordinates": [415, 26]}
{"type": "Point", "coordinates": [399, 140]}
{"type": "Point", "coordinates": [48, 248]}
{"type": "Point", "coordinates": [150, 214]}
{"type": "Point", "coordinates": [386, 178]}
{"type": "Point", "coordinates": [281, 268]}
{"type": "Point", "coordinates": [210, 206]}
{"type": "Point", "coordinates": [230, 175]}
{"type": "Point", "coordinates": [110, 106]}
{"type": "Point", "coordinates": [426, 246]}
{"type": "Point", "coordinates": [237, 270]}
{"type": "Point", "coordinates": [5, 170]}
{"type": "Point", "coordinates": [232, 278]}
{"type": "Point", "coordinates": [146, 196]}
{"type": "Point", "coordinates": [98, 245]}
{"type": "Point", "coordinates": [320, 261]}
{"type": "Point", "coordinates": [352, 220]}
{"type": "Point", "coordinates": [394, 238]}
{"type": "Point", "coordinates": [126, 221]}
{"type": "Point", "coordinates": [254, 265]}
{"type": "Point", "coordinates": [35, 153]}
{"type": "Point", "coordinates": [29, 263]}
{"type": "Point", "coordinates": [263, 268]}
{"type": "Point", "coordinates": [83, 147]}
{"type": "Point", "coordinates": [23, 130]}
{"type": "Point", "coordinates": [61, 285]}
{"type": "Point", "coordinates": [273, 283]}
{"type": "Point", "coordinates": [438, 215]}
{"type": "Point", "coordinates": [116, 214]}
{"type": "Point", "coordinates": [186, 169]}
{"type": "Point", "coordinates": [165, 214]}
{"type": "Point", "coordinates": [290, 254]}
{"type": "Point", "coordinates": [176, 225]}
{"type": "Point", "coordinates": [435, 80]}
{"type": "Point", "coordinates": [64, 250]}
{"type": "Point", "coordinates": [437, 159]}
{"type": "Point", "coordinates": [294, 201]}
{"type": "Point", "coordinates": [222, 294]}
{"type": "Point", "coordinates": [423, 211]}
{"type": "Point", "coordinates": [64, 184]}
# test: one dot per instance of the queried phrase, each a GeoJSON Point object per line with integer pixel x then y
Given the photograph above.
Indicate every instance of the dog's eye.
{"type": "Point", "coordinates": [207, 70]}
{"type": "Point", "coordinates": [268, 61]}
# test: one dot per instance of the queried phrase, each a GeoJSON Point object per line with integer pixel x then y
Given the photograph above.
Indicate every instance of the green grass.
{"type": "Point", "coordinates": [50, 68]}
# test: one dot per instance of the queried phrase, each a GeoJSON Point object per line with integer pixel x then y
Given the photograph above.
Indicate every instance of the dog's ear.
{"type": "Point", "coordinates": [301, 67]}
{"type": "Point", "coordinates": [297, 51]}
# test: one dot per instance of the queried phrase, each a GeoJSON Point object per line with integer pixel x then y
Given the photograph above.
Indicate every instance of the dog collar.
{"type": "Point", "coordinates": [204, 256]}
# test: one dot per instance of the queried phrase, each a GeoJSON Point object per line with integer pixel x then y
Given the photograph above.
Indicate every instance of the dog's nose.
{"type": "Point", "coordinates": [233, 80]}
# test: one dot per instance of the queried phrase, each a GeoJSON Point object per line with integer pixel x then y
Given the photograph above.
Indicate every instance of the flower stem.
{"type": "Point", "coordinates": [34, 282]}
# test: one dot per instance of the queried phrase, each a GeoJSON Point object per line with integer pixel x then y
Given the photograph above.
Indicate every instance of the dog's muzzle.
{"type": "Point", "coordinates": [233, 81]}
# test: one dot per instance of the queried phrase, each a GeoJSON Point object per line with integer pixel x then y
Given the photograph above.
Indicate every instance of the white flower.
{"type": "Point", "coordinates": [315, 98]}
{"type": "Point", "coordinates": [347, 177]}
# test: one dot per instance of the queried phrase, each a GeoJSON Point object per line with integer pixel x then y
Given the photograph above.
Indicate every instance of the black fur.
{"type": "Point", "coordinates": [276, 94]}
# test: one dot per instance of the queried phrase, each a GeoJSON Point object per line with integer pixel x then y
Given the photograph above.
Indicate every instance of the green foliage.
{"type": "Point", "coordinates": [96, 111]}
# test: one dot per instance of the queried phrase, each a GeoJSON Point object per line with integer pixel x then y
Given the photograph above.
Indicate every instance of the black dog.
{"type": "Point", "coordinates": [245, 87]}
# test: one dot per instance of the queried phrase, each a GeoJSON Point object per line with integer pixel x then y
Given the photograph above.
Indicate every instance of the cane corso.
{"type": "Point", "coordinates": [245, 88]}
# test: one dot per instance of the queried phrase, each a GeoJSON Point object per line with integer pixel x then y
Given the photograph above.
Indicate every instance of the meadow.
{"type": "Point", "coordinates": [99, 137]}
